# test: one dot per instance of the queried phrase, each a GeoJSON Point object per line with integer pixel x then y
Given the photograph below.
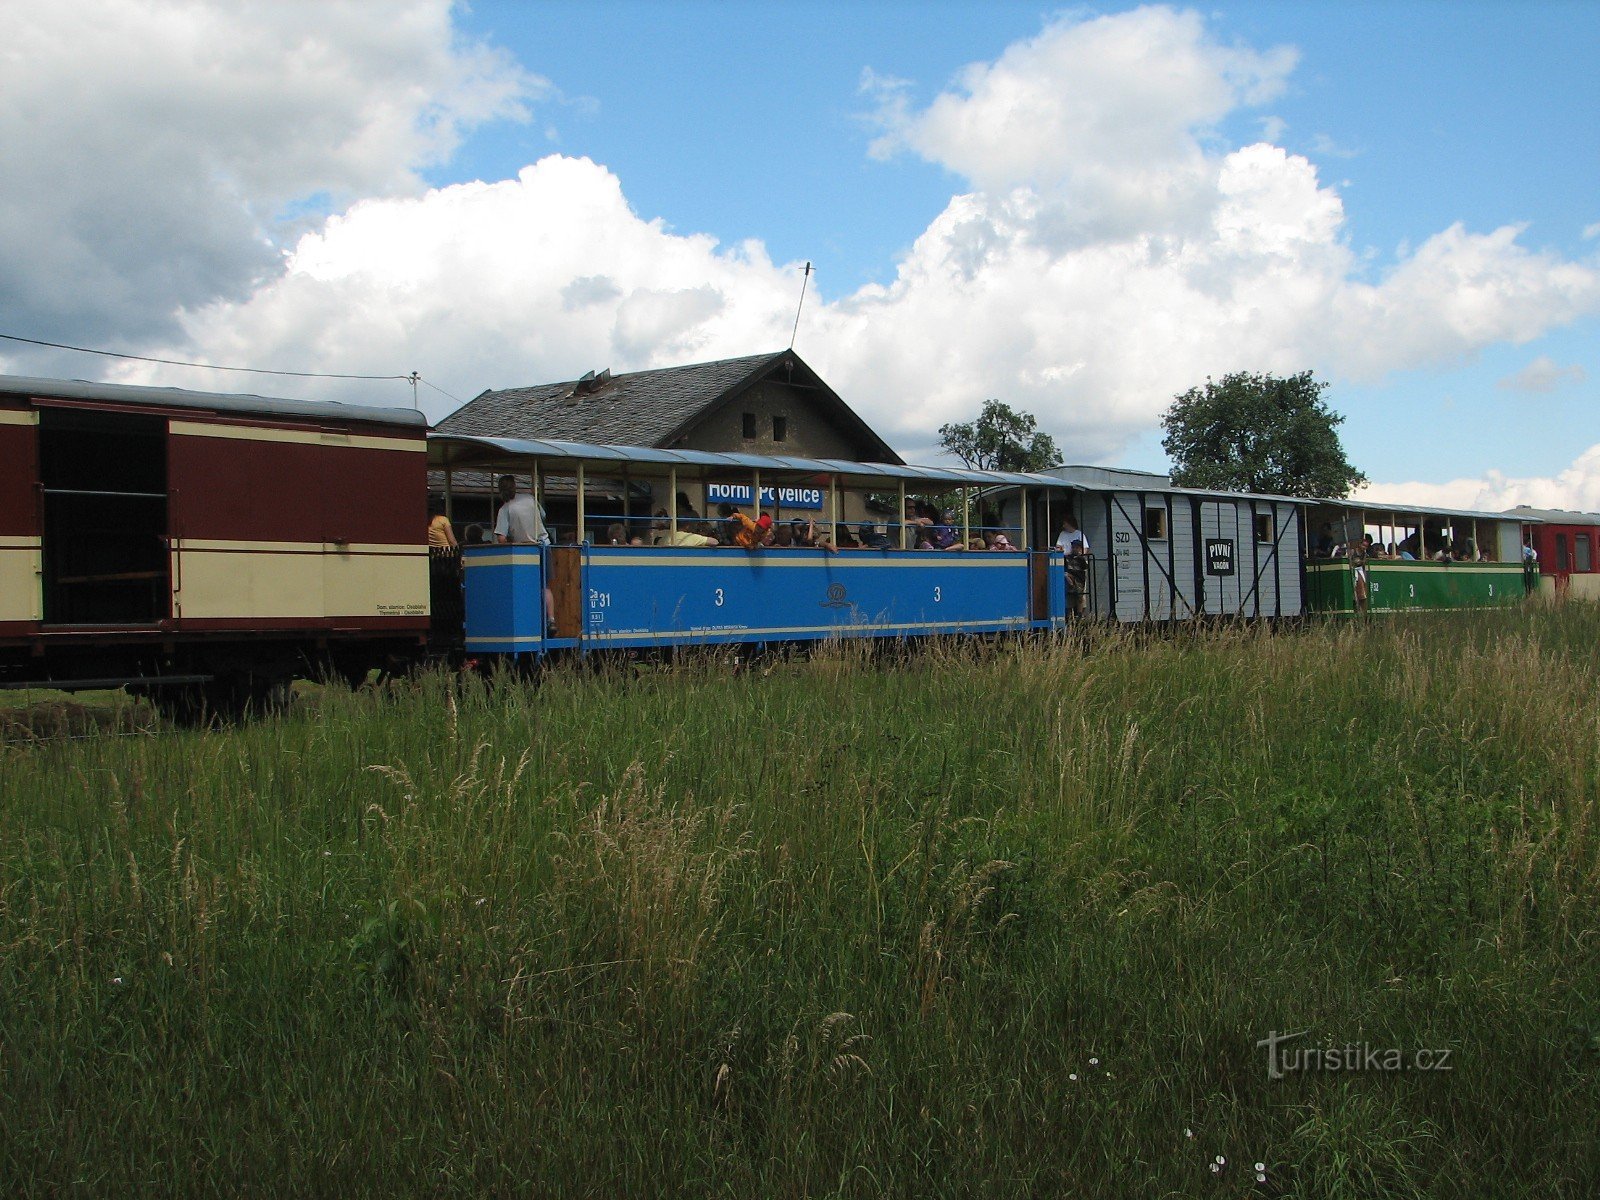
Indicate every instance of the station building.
{"type": "Point", "coordinates": [768, 404]}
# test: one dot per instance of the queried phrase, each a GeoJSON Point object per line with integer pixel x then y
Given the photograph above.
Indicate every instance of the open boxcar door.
{"type": "Point", "coordinates": [20, 521]}
{"type": "Point", "coordinates": [103, 518]}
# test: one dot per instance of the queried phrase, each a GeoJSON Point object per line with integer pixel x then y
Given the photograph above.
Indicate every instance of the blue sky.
{"type": "Point", "coordinates": [749, 121]}
{"type": "Point", "coordinates": [1079, 210]}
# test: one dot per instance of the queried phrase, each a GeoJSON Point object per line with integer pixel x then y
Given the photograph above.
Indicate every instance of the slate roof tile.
{"type": "Point", "coordinates": [641, 408]}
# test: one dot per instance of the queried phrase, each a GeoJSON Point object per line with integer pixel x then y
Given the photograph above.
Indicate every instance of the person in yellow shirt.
{"type": "Point", "coordinates": [441, 534]}
{"type": "Point", "coordinates": [663, 536]}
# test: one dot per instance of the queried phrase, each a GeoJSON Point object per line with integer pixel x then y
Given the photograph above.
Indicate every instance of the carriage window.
{"type": "Point", "coordinates": [749, 425]}
{"type": "Point", "coordinates": [1581, 559]}
{"type": "Point", "coordinates": [1561, 552]}
{"type": "Point", "coordinates": [1263, 527]}
{"type": "Point", "coordinates": [1155, 524]}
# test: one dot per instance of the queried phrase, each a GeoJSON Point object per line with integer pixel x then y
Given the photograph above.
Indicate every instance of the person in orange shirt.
{"type": "Point", "coordinates": [747, 534]}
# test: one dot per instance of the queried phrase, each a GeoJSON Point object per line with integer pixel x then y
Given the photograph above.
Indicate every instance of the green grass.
{"type": "Point", "coordinates": [830, 928]}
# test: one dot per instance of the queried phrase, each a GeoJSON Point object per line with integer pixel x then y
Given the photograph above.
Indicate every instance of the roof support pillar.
{"type": "Point", "coordinates": [966, 516]}
{"type": "Point", "coordinates": [902, 514]}
{"type": "Point", "coordinates": [672, 504]}
{"type": "Point", "coordinates": [580, 504]}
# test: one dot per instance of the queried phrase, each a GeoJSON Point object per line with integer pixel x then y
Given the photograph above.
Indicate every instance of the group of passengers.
{"type": "Point", "coordinates": [1441, 549]}
{"type": "Point", "coordinates": [924, 528]}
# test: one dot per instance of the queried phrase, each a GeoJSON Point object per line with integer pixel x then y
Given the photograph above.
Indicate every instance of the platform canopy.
{"type": "Point", "coordinates": [461, 452]}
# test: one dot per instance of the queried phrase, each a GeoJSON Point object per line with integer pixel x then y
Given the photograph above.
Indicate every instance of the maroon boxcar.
{"type": "Point", "coordinates": [1568, 545]}
{"type": "Point", "coordinates": [205, 548]}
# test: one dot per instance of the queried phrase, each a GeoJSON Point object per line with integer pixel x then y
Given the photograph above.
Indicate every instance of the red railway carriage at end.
{"type": "Point", "coordinates": [205, 548]}
{"type": "Point", "coordinates": [1568, 548]}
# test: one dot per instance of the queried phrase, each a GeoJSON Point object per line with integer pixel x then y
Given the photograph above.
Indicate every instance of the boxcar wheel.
{"type": "Point", "coordinates": [184, 705]}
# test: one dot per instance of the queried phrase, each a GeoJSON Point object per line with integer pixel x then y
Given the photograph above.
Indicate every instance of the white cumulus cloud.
{"type": "Point", "coordinates": [153, 149]}
{"type": "Point", "coordinates": [1577, 487]}
{"type": "Point", "coordinates": [1105, 251]}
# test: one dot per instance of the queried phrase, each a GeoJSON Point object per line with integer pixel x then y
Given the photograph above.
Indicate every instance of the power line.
{"type": "Point", "coordinates": [173, 362]}
{"type": "Point", "coordinates": [439, 389]}
{"type": "Point", "coordinates": [805, 279]}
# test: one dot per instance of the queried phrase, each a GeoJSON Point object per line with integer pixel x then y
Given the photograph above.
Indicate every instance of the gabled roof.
{"type": "Point", "coordinates": [647, 408]}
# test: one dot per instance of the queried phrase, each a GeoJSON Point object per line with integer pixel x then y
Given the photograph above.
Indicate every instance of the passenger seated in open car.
{"type": "Point", "coordinates": [662, 535]}
{"type": "Point", "coordinates": [869, 537]}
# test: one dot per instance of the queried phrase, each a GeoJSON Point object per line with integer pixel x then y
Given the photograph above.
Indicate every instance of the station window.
{"type": "Point", "coordinates": [780, 428]}
{"type": "Point", "coordinates": [1581, 560]}
{"type": "Point", "coordinates": [1155, 524]}
{"type": "Point", "coordinates": [1263, 527]}
{"type": "Point", "coordinates": [749, 425]}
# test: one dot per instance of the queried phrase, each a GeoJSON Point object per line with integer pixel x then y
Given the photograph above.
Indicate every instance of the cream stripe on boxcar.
{"type": "Point", "coordinates": [300, 584]}
{"type": "Point", "coordinates": [225, 546]}
{"type": "Point", "coordinates": [20, 567]}
{"type": "Point", "coordinates": [257, 433]}
{"type": "Point", "coordinates": [10, 416]}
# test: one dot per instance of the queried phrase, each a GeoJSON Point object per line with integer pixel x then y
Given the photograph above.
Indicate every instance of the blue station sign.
{"type": "Point", "coordinates": [744, 493]}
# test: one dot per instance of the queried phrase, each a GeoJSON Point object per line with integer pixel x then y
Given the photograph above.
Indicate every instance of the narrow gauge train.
{"type": "Point", "coordinates": [205, 549]}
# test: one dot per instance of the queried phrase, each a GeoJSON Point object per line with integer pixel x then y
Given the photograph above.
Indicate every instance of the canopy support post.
{"type": "Point", "coordinates": [581, 514]}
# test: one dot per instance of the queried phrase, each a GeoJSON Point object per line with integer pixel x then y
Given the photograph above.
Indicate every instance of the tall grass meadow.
{"type": "Point", "coordinates": [985, 920]}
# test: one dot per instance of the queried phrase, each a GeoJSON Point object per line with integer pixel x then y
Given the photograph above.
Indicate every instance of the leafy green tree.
{"type": "Point", "coordinates": [1258, 433]}
{"type": "Point", "coordinates": [1001, 439]}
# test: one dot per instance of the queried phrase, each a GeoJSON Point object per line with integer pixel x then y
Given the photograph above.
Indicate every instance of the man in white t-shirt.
{"type": "Point", "coordinates": [520, 518]}
{"type": "Point", "coordinates": [1072, 541]}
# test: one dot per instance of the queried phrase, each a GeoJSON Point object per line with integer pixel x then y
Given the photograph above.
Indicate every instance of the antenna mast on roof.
{"type": "Point", "coordinates": [805, 280]}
